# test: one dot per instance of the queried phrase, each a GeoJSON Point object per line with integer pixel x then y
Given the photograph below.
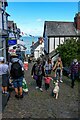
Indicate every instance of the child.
{"type": "Point", "coordinates": [47, 80]}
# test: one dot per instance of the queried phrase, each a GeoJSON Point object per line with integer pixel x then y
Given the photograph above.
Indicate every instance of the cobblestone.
{"type": "Point", "coordinates": [38, 104]}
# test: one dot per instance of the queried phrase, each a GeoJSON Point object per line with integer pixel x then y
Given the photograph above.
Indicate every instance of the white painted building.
{"type": "Point", "coordinates": [55, 33]}
{"type": "Point", "coordinates": [38, 49]}
{"type": "Point", "coordinates": [3, 27]}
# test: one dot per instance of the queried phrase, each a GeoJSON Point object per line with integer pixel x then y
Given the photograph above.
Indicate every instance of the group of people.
{"type": "Point", "coordinates": [40, 70]}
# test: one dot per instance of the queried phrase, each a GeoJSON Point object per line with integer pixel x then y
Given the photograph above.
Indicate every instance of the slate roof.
{"type": "Point", "coordinates": [54, 28]}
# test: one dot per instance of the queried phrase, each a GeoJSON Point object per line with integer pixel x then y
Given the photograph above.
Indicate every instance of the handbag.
{"type": "Point", "coordinates": [35, 77]}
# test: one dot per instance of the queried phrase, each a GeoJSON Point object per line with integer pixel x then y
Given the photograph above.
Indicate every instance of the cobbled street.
{"type": "Point", "coordinates": [38, 104]}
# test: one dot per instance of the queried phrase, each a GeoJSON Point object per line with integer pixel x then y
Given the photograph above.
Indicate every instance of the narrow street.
{"type": "Point", "coordinates": [38, 104]}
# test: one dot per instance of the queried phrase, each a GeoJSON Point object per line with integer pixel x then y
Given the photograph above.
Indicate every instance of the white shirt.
{"type": "Point", "coordinates": [3, 69]}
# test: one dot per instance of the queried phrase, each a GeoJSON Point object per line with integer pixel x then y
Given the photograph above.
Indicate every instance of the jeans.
{"type": "Point", "coordinates": [17, 82]}
{"type": "Point", "coordinates": [58, 75]}
{"type": "Point", "coordinates": [74, 76]}
{"type": "Point", "coordinates": [39, 81]}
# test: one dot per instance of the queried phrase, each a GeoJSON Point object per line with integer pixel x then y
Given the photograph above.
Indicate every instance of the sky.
{"type": "Point", "coordinates": [30, 16]}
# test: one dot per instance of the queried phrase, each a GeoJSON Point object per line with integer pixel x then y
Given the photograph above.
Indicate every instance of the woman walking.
{"type": "Point", "coordinates": [38, 73]}
{"type": "Point", "coordinates": [58, 67]}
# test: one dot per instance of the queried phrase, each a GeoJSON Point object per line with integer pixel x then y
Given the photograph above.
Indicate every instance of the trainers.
{"type": "Point", "coordinates": [21, 96]}
{"type": "Point", "coordinates": [41, 89]}
{"type": "Point", "coordinates": [17, 96]}
{"type": "Point", "coordinates": [57, 80]}
{"type": "Point", "coordinates": [37, 87]}
{"type": "Point", "coordinates": [61, 81]}
{"type": "Point", "coordinates": [3, 92]}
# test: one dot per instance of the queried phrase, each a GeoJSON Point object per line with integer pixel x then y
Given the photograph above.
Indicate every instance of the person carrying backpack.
{"type": "Point", "coordinates": [17, 74]}
{"type": "Point", "coordinates": [38, 73]}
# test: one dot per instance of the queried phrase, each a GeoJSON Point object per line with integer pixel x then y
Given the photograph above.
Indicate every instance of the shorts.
{"type": "Point", "coordinates": [46, 71]}
{"type": "Point", "coordinates": [5, 80]}
{"type": "Point", "coordinates": [17, 82]}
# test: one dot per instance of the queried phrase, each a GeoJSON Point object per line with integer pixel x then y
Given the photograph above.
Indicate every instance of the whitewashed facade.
{"type": "Point", "coordinates": [56, 32]}
{"type": "Point", "coordinates": [39, 51]}
{"type": "Point", "coordinates": [51, 43]}
{"type": "Point", "coordinates": [3, 28]}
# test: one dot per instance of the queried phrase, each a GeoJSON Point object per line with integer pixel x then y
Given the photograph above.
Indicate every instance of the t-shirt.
{"type": "Point", "coordinates": [48, 66]}
{"type": "Point", "coordinates": [47, 79]}
{"type": "Point", "coordinates": [3, 69]}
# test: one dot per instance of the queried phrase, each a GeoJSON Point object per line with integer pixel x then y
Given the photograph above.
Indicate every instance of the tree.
{"type": "Point", "coordinates": [69, 50]}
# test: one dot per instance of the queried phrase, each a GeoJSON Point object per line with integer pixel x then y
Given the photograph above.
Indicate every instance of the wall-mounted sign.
{"type": "Point", "coordinates": [12, 42]}
{"type": "Point", "coordinates": [11, 35]}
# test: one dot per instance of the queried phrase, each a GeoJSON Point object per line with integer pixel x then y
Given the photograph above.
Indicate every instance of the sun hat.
{"type": "Point", "coordinates": [14, 54]}
{"type": "Point", "coordinates": [1, 59]}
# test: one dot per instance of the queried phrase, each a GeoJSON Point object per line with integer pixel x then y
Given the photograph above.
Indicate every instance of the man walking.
{"type": "Point", "coordinates": [16, 72]}
{"type": "Point", "coordinates": [74, 71]}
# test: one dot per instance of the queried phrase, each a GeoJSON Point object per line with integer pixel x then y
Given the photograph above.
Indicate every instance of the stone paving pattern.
{"type": "Point", "coordinates": [38, 104]}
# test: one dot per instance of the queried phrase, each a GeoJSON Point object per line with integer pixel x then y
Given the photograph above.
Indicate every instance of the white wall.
{"type": "Point", "coordinates": [36, 54]}
{"type": "Point", "coordinates": [38, 51]}
{"type": "Point", "coordinates": [61, 40]}
{"type": "Point", "coordinates": [5, 22]}
{"type": "Point", "coordinates": [51, 45]}
{"type": "Point", "coordinates": [56, 42]}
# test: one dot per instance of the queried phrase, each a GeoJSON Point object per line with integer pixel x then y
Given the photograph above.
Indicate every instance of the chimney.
{"type": "Point", "coordinates": [77, 21]}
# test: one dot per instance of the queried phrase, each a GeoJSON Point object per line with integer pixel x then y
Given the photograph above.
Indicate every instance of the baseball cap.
{"type": "Point", "coordinates": [14, 54]}
{"type": "Point", "coordinates": [75, 60]}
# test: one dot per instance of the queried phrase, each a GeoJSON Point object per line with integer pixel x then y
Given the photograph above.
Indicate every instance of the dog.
{"type": "Point", "coordinates": [56, 90]}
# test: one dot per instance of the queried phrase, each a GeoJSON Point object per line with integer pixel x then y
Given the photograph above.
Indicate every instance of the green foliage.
{"type": "Point", "coordinates": [69, 50]}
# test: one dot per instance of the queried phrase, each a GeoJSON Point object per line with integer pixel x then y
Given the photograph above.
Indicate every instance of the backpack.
{"type": "Point", "coordinates": [16, 70]}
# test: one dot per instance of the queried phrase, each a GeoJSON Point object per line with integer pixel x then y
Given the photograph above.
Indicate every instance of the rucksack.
{"type": "Point", "coordinates": [16, 70]}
